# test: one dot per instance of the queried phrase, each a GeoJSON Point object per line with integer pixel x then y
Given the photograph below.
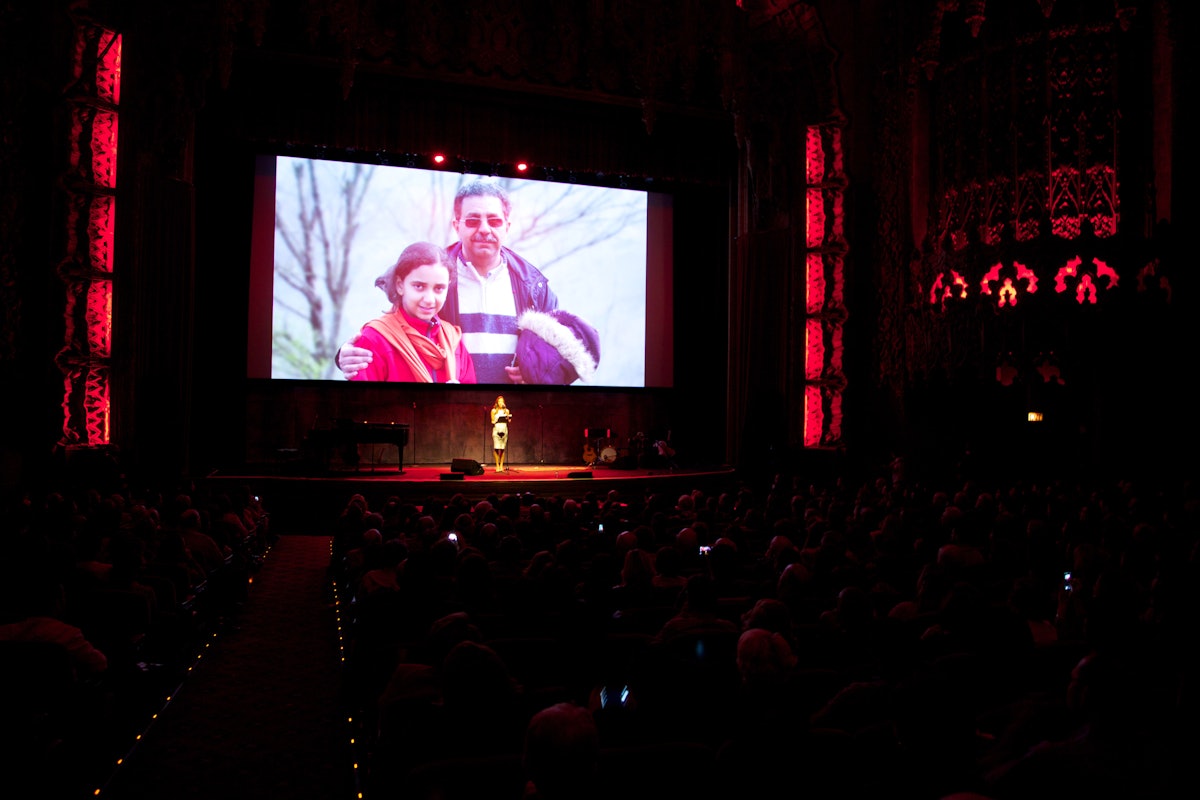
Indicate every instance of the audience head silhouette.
{"type": "Point", "coordinates": [561, 753]}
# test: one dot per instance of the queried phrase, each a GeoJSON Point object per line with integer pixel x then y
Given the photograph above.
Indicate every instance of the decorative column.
{"type": "Point", "coordinates": [89, 188]}
{"type": "Point", "coordinates": [824, 287]}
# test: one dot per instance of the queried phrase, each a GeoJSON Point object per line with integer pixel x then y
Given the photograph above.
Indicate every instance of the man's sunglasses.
{"type": "Point", "coordinates": [475, 222]}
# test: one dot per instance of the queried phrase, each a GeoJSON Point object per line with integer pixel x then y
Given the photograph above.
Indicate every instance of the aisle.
{"type": "Point", "coordinates": [259, 716]}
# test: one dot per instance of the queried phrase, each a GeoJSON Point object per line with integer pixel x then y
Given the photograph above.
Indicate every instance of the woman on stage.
{"type": "Point", "coordinates": [500, 417]}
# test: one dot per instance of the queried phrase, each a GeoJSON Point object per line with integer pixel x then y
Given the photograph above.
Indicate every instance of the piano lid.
{"type": "Point", "coordinates": [346, 423]}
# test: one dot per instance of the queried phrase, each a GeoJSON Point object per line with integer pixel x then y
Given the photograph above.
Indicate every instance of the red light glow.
{"type": "Point", "coordinates": [941, 291]}
{"type": "Point", "coordinates": [1105, 271]}
{"type": "Point", "coordinates": [1009, 286]}
{"type": "Point", "coordinates": [1086, 289]}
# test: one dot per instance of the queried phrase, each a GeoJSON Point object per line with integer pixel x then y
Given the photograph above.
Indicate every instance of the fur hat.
{"type": "Point", "coordinates": [556, 347]}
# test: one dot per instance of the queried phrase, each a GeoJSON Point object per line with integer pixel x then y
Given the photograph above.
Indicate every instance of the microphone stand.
{"type": "Point", "coordinates": [507, 448]}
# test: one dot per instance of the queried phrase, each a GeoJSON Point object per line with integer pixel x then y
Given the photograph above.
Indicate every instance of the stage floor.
{"type": "Point", "coordinates": [443, 473]}
{"type": "Point", "coordinates": [297, 499]}
{"type": "Point", "coordinates": [529, 472]}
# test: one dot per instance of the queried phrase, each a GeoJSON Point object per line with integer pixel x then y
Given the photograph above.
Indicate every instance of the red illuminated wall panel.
{"type": "Point", "coordinates": [824, 295]}
{"type": "Point", "coordinates": [87, 263]}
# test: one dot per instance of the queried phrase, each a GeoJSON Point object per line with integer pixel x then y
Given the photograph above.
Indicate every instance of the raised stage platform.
{"type": "Point", "coordinates": [300, 502]}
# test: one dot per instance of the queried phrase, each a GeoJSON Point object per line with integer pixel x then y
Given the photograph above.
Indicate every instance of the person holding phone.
{"type": "Point", "coordinates": [503, 304]}
{"type": "Point", "coordinates": [411, 342]}
{"type": "Point", "coordinates": [500, 416]}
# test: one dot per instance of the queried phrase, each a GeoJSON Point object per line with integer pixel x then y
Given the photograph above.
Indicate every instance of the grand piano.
{"type": "Point", "coordinates": [346, 435]}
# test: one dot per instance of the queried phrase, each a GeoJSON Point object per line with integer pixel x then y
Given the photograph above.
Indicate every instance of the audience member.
{"type": "Point", "coordinates": [202, 547]}
{"type": "Point", "coordinates": [637, 580]}
{"type": "Point", "coordinates": [481, 700]}
{"type": "Point", "coordinates": [561, 754]}
{"type": "Point", "coordinates": [33, 610]}
{"type": "Point", "coordinates": [699, 613]}
{"type": "Point", "coordinates": [1118, 747]}
{"type": "Point", "coordinates": [668, 580]}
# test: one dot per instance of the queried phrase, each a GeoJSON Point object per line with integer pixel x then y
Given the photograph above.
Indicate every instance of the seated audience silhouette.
{"type": "Point", "coordinates": [33, 612]}
{"type": "Point", "coordinates": [698, 615]}
{"type": "Point", "coordinates": [1118, 748]}
{"type": "Point", "coordinates": [561, 754]}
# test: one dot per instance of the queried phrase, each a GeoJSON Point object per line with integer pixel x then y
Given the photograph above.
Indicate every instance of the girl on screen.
{"type": "Point", "coordinates": [410, 342]}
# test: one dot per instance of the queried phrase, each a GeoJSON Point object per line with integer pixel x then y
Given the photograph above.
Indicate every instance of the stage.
{"type": "Point", "coordinates": [302, 500]}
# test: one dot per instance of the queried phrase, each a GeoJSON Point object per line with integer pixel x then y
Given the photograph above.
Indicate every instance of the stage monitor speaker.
{"type": "Point", "coordinates": [450, 476]}
{"type": "Point", "coordinates": [579, 474]}
{"type": "Point", "coordinates": [468, 466]}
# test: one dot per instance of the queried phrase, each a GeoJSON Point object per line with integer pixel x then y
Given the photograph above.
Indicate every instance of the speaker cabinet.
{"type": "Point", "coordinates": [467, 466]}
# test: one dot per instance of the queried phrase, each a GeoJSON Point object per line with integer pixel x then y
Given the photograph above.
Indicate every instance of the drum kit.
{"type": "Point", "coordinates": [607, 451]}
{"type": "Point", "coordinates": [603, 451]}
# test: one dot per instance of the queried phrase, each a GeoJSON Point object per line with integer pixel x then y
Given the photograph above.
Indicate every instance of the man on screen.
{"type": "Point", "coordinates": [503, 304]}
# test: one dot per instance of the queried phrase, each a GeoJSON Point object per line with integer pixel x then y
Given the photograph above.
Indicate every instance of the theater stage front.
{"type": "Point", "coordinates": [302, 499]}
